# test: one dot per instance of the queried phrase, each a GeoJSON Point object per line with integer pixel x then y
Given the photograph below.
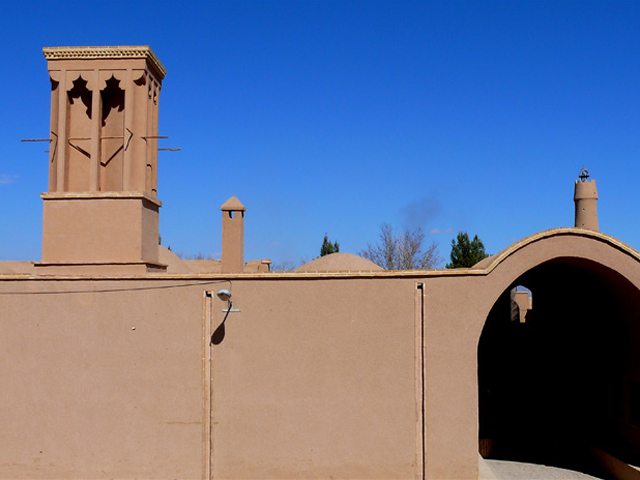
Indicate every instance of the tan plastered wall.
{"type": "Point", "coordinates": [99, 230]}
{"type": "Point", "coordinates": [150, 221]}
{"type": "Point", "coordinates": [314, 378]}
{"type": "Point", "coordinates": [317, 376]}
{"type": "Point", "coordinates": [100, 380]}
{"type": "Point", "coordinates": [317, 379]}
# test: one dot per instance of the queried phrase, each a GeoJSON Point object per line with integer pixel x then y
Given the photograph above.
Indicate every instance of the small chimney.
{"type": "Point", "coordinates": [586, 199]}
{"type": "Point", "coordinates": [232, 236]}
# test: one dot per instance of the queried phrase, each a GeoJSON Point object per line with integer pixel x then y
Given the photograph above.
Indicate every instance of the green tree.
{"type": "Point", "coordinates": [402, 251]}
{"type": "Point", "coordinates": [466, 253]}
{"type": "Point", "coordinates": [328, 247]}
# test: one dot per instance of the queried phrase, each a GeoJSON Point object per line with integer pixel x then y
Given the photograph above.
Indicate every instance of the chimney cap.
{"type": "Point", "coordinates": [233, 205]}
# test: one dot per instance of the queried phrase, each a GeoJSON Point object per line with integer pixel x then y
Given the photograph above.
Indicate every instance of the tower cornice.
{"type": "Point", "coordinates": [92, 53]}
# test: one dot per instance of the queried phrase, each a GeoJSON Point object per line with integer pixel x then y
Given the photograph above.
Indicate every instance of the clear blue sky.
{"type": "Point", "coordinates": [327, 116]}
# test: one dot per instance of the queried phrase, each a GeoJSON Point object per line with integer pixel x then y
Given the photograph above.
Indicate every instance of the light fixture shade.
{"type": "Point", "coordinates": [224, 295]}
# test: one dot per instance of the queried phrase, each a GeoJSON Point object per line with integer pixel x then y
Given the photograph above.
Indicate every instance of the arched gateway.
{"type": "Point", "coordinates": [559, 383]}
{"type": "Point", "coordinates": [544, 390]}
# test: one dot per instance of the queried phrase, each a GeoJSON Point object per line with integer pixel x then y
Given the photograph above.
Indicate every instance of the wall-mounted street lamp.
{"type": "Point", "coordinates": [218, 335]}
{"type": "Point", "coordinates": [224, 295]}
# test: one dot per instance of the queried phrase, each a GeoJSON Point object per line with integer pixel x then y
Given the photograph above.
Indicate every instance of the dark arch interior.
{"type": "Point", "coordinates": [560, 383]}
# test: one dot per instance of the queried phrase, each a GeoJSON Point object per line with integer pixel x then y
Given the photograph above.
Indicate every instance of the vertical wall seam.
{"type": "Point", "coordinates": [419, 352]}
{"type": "Point", "coordinates": [206, 384]}
{"type": "Point", "coordinates": [423, 355]}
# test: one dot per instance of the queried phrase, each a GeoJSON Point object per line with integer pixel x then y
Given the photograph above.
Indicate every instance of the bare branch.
{"type": "Point", "coordinates": [402, 251]}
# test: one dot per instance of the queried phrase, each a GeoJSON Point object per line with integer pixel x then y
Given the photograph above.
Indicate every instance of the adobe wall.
{"type": "Point", "coordinates": [314, 378]}
{"type": "Point", "coordinates": [130, 219]}
{"type": "Point", "coordinates": [317, 376]}
{"type": "Point", "coordinates": [100, 381]}
{"type": "Point", "coordinates": [317, 379]}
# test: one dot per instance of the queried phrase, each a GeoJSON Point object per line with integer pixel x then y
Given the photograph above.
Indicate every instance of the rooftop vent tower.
{"type": "Point", "coordinates": [586, 199]}
{"type": "Point", "coordinates": [101, 210]}
{"type": "Point", "coordinates": [232, 236]}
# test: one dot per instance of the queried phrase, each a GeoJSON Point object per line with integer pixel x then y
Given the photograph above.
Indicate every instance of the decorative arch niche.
{"type": "Point", "coordinates": [112, 136]}
{"type": "Point", "coordinates": [79, 106]}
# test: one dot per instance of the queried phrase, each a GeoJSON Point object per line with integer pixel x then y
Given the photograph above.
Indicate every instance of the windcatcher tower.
{"type": "Point", "coordinates": [101, 210]}
{"type": "Point", "coordinates": [586, 200]}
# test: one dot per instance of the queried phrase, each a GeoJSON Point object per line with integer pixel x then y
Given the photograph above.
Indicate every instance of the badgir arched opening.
{"type": "Point", "coordinates": [559, 368]}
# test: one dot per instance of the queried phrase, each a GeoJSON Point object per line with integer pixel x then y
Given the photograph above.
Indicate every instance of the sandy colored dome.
{"type": "Point", "coordinates": [340, 262]}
